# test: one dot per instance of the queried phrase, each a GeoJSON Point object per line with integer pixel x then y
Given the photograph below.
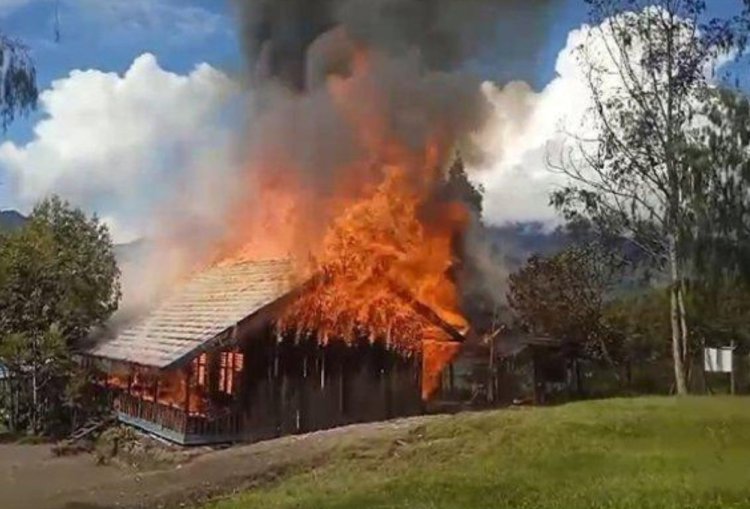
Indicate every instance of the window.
{"type": "Point", "coordinates": [199, 368]}
{"type": "Point", "coordinates": [230, 366]}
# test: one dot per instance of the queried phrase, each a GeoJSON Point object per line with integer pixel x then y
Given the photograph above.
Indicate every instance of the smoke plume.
{"type": "Point", "coordinates": [342, 88]}
{"type": "Point", "coordinates": [446, 34]}
{"type": "Point", "coordinates": [422, 55]}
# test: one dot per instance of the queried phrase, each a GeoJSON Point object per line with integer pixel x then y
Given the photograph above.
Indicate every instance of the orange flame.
{"type": "Point", "coordinates": [379, 226]}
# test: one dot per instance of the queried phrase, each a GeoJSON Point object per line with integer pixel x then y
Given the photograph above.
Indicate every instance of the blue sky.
{"type": "Point", "coordinates": [93, 35]}
{"type": "Point", "coordinates": [109, 35]}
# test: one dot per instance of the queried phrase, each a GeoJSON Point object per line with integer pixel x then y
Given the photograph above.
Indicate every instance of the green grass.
{"type": "Point", "coordinates": [625, 453]}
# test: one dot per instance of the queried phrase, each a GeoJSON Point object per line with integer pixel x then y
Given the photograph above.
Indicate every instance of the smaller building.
{"type": "Point", "coordinates": [511, 368]}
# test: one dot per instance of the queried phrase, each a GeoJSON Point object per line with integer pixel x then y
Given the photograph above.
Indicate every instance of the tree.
{"type": "Point", "coordinates": [564, 297]}
{"type": "Point", "coordinates": [459, 188]}
{"type": "Point", "coordinates": [58, 279]}
{"type": "Point", "coordinates": [647, 68]}
{"type": "Point", "coordinates": [469, 241]}
{"type": "Point", "coordinates": [640, 319]}
{"type": "Point", "coordinates": [719, 159]}
{"type": "Point", "coordinates": [18, 89]}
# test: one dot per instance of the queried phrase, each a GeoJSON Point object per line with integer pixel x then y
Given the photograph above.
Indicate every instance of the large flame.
{"type": "Point", "coordinates": [377, 237]}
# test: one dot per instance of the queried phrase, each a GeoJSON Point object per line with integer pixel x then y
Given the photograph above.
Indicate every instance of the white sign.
{"type": "Point", "coordinates": [718, 360]}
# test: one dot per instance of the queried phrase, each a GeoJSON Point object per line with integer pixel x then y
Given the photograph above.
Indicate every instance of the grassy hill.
{"type": "Point", "coordinates": [637, 453]}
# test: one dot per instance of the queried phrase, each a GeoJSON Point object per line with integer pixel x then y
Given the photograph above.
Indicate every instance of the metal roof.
{"type": "Point", "coordinates": [204, 308]}
{"type": "Point", "coordinates": [4, 373]}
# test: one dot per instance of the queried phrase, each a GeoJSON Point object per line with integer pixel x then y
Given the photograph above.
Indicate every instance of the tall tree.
{"type": "Point", "coordinates": [58, 279]}
{"type": "Point", "coordinates": [719, 168]}
{"type": "Point", "coordinates": [648, 66]}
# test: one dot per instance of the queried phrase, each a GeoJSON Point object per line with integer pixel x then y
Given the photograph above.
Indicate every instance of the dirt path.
{"type": "Point", "coordinates": [30, 477]}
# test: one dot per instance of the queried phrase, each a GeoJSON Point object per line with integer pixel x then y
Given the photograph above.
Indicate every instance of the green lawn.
{"type": "Point", "coordinates": [637, 453]}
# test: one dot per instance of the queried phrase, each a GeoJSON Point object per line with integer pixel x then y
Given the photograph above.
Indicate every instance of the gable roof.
{"type": "Point", "coordinates": [207, 306]}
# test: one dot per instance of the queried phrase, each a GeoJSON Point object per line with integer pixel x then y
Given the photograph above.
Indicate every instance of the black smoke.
{"type": "Point", "coordinates": [420, 85]}
{"type": "Point", "coordinates": [447, 35]}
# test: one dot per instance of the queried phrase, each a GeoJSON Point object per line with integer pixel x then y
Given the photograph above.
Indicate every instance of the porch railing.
{"type": "Point", "coordinates": [226, 424]}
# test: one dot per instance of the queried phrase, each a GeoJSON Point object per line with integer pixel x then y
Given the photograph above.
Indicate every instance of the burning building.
{"type": "Point", "coordinates": [336, 293]}
{"type": "Point", "coordinates": [214, 362]}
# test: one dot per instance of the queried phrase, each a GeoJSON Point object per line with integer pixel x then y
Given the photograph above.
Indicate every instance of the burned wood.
{"type": "Point", "coordinates": [425, 311]}
{"type": "Point", "coordinates": [90, 428]}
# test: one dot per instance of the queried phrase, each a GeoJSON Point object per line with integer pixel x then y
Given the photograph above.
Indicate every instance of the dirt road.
{"type": "Point", "coordinates": [31, 478]}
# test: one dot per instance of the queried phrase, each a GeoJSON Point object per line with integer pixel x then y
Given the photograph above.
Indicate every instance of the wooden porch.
{"type": "Point", "coordinates": [176, 425]}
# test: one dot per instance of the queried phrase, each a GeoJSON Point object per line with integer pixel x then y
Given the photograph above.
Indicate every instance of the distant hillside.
{"type": "Point", "coordinates": [11, 220]}
{"type": "Point", "coordinates": [131, 252]}
{"type": "Point", "coordinates": [514, 242]}
{"type": "Point", "coordinates": [518, 241]}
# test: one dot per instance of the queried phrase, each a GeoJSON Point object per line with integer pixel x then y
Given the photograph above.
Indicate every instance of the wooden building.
{"type": "Point", "coordinates": [209, 366]}
{"type": "Point", "coordinates": [508, 368]}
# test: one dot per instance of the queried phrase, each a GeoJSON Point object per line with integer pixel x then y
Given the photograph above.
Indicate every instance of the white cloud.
{"type": "Point", "coordinates": [528, 128]}
{"type": "Point", "coordinates": [172, 19]}
{"type": "Point", "coordinates": [124, 145]}
{"type": "Point", "coordinates": [123, 234]}
{"type": "Point", "coordinates": [527, 125]}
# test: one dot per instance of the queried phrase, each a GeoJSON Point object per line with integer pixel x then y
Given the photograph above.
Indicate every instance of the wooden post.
{"type": "Point", "coordinates": [343, 355]}
{"type": "Point", "coordinates": [732, 377]}
{"type": "Point", "coordinates": [491, 374]}
{"type": "Point", "coordinates": [391, 364]}
{"type": "Point", "coordinates": [419, 375]}
{"type": "Point", "coordinates": [536, 378]}
{"type": "Point", "coordinates": [302, 394]}
{"type": "Point", "coordinates": [188, 376]}
{"type": "Point", "coordinates": [322, 354]}
{"type": "Point", "coordinates": [342, 391]}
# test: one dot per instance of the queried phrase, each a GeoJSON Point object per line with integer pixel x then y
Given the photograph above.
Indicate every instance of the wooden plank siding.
{"type": "Point", "coordinates": [288, 388]}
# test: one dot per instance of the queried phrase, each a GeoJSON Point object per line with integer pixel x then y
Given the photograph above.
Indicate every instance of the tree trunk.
{"type": "Point", "coordinates": [491, 373]}
{"type": "Point", "coordinates": [676, 322]}
{"type": "Point", "coordinates": [579, 379]}
{"type": "Point", "coordinates": [35, 388]}
{"type": "Point", "coordinates": [684, 332]}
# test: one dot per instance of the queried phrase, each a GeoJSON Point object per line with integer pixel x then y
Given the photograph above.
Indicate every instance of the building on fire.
{"type": "Point", "coordinates": [210, 365]}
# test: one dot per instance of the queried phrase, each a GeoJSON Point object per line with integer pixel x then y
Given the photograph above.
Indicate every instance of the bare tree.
{"type": "Point", "coordinates": [648, 66]}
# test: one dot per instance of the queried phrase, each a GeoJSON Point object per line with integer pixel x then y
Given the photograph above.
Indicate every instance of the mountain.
{"type": "Point", "coordinates": [513, 242]}
{"type": "Point", "coordinates": [131, 251]}
{"type": "Point", "coordinates": [11, 220]}
{"type": "Point", "coordinates": [516, 242]}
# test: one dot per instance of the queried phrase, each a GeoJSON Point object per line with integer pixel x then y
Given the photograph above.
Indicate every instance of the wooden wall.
{"type": "Point", "coordinates": [285, 386]}
{"type": "Point", "coordinates": [296, 387]}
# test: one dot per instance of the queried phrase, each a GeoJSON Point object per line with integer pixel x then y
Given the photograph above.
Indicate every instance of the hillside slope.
{"type": "Point", "coordinates": [640, 453]}
{"type": "Point", "coordinates": [11, 220]}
